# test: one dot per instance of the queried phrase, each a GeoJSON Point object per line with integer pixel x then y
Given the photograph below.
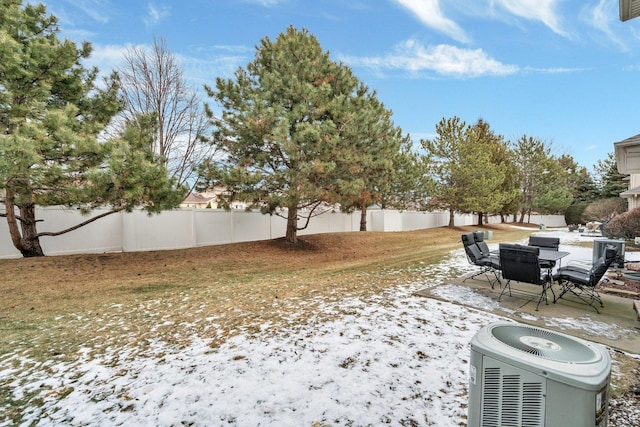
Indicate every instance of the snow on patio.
{"type": "Point", "coordinates": [391, 358]}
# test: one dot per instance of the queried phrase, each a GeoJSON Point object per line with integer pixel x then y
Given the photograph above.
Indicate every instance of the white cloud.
{"type": "Point", "coordinates": [429, 12]}
{"type": "Point", "coordinates": [209, 62]}
{"type": "Point", "coordinates": [554, 70]}
{"type": "Point", "coordinates": [107, 57]}
{"type": "Point", "coordinates": [156, 14]}
{"type": "Point", "coordinates": [98, 10]}
{"type": "Point", "coordinates": [536, 10]}
{"type": "Point", "coordinates": [602, 17]}
{"type": "Point", "coordinates": [442, 59]}
{"type": "Point", "coordinates": [199, 69]}
{"type": "Point", "coordinates": [266, 3]}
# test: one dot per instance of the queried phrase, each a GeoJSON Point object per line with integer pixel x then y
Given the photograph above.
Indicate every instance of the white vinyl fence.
{"type": "Point", "coordinates": [191, 227]}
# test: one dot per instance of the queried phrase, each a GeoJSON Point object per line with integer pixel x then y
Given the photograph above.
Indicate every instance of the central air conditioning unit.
{"type": "Point", "coordinates": [526, 376]}
{"type": "Point", "coordinates": [599, 245]}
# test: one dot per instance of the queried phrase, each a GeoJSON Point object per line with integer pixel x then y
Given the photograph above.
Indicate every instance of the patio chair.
{"type": "Point", "coordinates": [489, 265]}
{"type": "Point", "coordinates": [550, 243]}
{"type": "Point", "coordinates": [478, 237]}
{"type": "Point", "coordinates": [581, 281]}
{"type": "Point", "coordinates": [521, 263]}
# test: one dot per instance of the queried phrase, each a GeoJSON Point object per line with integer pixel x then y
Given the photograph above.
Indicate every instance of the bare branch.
{"type": "Point", "coordinates": [153, 82]}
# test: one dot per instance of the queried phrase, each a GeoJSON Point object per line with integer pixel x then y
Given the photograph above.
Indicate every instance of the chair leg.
{"type": "Point", "coordinates": [587, 294]}
{"type": "Point", "coordinates": [543, 294]}
{"type": "Point", "coordinates": [486, 271]}
{"type": "Point", "coordinates": [506, 285]}
{"type": "Point", "coordinates": [591, 296]}
{"type": "Point", "coordinates": [564, 288]}
{"type": "Point", "coordinates": [549, 280]}
{"type": "Point", "coordinates": [495, 280]}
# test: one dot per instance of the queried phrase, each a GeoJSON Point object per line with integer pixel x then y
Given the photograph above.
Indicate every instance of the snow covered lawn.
{"type": "Point", "coordinates": [391, 358]}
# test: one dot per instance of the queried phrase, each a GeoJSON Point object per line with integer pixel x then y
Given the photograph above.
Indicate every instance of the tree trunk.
{"type": "Point", "coordinates": [28, 243]}
{"type": "Point", "coordinates": [480, 218]}
{"type": "Point", "coordinates": [31, 241]}
{"type": "Point", "coordinates": [363, 219]}
{"type": "Point", "coordinates": [292, 225]}
{"type": "Point", "coordinates": [452, 219]}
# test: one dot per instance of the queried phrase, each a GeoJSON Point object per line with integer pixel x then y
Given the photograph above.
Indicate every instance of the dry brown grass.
{"type": "Point", "coordinates": [240, 285]}
{"type": "Point", "coordinates": [54, 306]}
{"type": "Point", "coordinates": [36, 287]}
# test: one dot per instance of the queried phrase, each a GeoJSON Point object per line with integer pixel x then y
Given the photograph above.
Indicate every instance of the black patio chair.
{"type": "Point", "coordinates": [489, 265]}
{"type": "Point", "coordinates": [521, 263]}
{"type": "Point", "coordinates": [550, 243]}
{"type": "Point", "coordinates": [581, 281]}
{"type": "Point", "coordinates": [478, 237]}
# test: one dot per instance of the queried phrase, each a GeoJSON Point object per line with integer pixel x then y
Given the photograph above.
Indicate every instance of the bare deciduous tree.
{"type": "Point", "coordinates": [152, 81]}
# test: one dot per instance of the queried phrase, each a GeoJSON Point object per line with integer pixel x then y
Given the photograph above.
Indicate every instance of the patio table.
{"type": "Point", "coordinates": [547, 254]}
{"type": "Point", "coordinates": [552, 255]}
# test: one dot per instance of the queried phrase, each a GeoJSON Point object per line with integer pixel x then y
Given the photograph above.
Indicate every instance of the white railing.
{"type": "Point", "coordinates": [191, 227]}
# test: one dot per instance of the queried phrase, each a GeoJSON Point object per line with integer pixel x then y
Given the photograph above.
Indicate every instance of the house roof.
{"type": "Point", "coordinates": [629, 9]}
{"type": "Point", "coordinates": [632, 192]}
{"type": "Point", "coordinates": [628, 155]}
{"type": "Point", "coordinates": [196, 198]}
{"type": "Point", "coordinates": [631, 140]}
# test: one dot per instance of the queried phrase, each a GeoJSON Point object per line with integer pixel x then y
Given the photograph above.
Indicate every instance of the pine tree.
{"type": "Point", "coordinates": [612, 182]}
{"type": "Point", "coordinates": [291, 139]}
{"type": "Point", "coordinates": [372, 149]}
{"type": "Point", "coordinates": [579, 181]}
{"type": "Point", "coordinates": [461, 162]}
{"type": "Point", "coordinates": [531, 156]}
{"type": "Point", "coordinates": [51, 114]}
{"type": "Point", "coordinates": [496, 188]}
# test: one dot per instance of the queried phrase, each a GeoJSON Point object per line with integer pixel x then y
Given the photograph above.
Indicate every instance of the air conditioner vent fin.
{"type": "Point", "coordinates": [491, 402]}
{"type": "Point", "coordinates": [532, 404]}
{"type": "Point", "coordinates": [511, 401]}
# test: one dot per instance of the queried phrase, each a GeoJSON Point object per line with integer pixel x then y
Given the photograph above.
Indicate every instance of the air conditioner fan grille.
{"type": "Point", "coordinates": [544, 343]}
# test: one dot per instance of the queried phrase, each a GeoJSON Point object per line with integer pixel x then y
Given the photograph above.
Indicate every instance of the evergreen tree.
{"type": "Point", "coordinates": [411, 185]}
{"type": "Point", "coordinates": [460, 161]}
{"type": "Point", "coordinates": [612, 182]}
{"type": "Point", "coordinates": [370, 163]}
{"type": "Point", "coordinates": [510, 187]}
{"type": "Point", "coordinates": [501, 187]}
{"type": "Point", "coordinates": [51, 114]}
{"type": "Point", "coordinates": [579, 181]}
{"type": "Point", "coordinates": [554, 193]}
{"type": "Point", "coordinates": [293, 135]}
{"type": "Point", "coordinates": [531, 158]}
{"type": "Point", "coordinates": [582, 186]}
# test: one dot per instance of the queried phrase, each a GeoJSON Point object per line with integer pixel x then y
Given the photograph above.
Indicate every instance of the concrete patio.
{"type": "Point", "coordinates": [521, 307]}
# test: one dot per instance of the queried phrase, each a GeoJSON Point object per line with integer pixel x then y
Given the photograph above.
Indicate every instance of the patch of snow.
{"type": "Point", "coordinates": [590, 326]}
{"type": "Point", "coordinates": [392, 358]}
{"type": "Point", "coordinates": [466, 296]}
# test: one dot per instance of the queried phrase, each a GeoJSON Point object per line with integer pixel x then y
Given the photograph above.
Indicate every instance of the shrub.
{"type": "Point", "coordinates": [573, 214]}
{"type": "Point", "coordinates": [601, 210]}
{"type": "Point", "coordinates": [624, 226]}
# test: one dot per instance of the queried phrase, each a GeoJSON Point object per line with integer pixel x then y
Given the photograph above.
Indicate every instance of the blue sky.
{"type": "Point", "coordinates": [564, 71]}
